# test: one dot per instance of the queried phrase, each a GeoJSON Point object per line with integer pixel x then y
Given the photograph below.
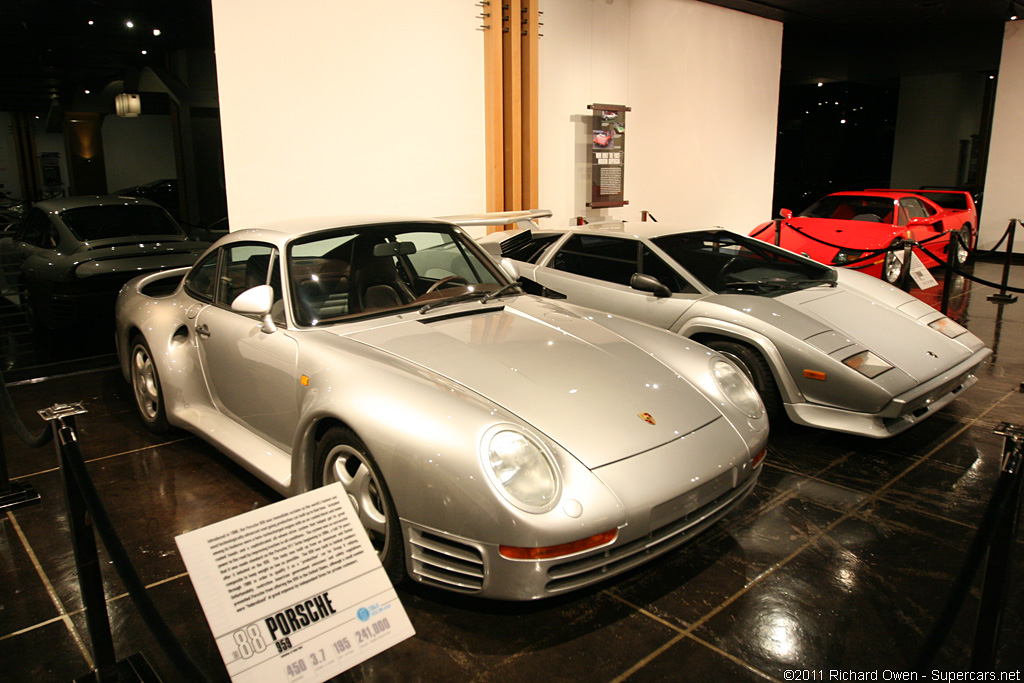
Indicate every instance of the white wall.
{"type": "Point", "coordinates": [1004, 180]}
{"type": "Point", "coordinates": [137, 150]}
{"type": "Point", "coordinates": [926, 149]}
{"type": "Point", "coordinates": [341, 107]}
{"type": "Point", "coordinates": [703, 85]}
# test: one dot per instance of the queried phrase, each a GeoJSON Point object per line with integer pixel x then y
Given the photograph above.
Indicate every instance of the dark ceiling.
{"type": "Point", "coordinates": [874, 41]}
{"type": "Point", "coordinates": [48, 47]}
{"type": "Point", "coordinates": [63, 47]}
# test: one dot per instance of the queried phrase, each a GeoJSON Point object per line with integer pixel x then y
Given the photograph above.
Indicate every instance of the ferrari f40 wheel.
{"type": "Point", "coordinates": [342, 457]}
{"type": "Point", "coordinates": [755, 367]}
{"type": "Point", "coordinates": [149, 399]}
{"type": "Point", "coordinates": [892, 268]}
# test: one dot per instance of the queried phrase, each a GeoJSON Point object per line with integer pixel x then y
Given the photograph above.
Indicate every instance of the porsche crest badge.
{"type": "Point", "coordinates": [646, 417]}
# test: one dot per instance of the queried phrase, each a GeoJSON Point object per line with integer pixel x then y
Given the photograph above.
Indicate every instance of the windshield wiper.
{"type": "Point", "coordinates": [501, 291]}
{"type": "Point", "coordinates": [470, 295]}
{"type": "Point", "coordinates": [775, 284]}
{"type": "Point", "coordinates": [465, 296]}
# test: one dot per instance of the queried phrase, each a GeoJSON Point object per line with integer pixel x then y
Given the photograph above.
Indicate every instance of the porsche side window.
{"type": "Point", "coordinates": [244, 266]}
{"type": "Point", "coordinates": [35, 229]}
{"type": "Point", "coordinates": [202, 279]}
{"type": "Point", "coordinates": [612, 259]}
{"type": "Point", "coordinates": [653, 265]}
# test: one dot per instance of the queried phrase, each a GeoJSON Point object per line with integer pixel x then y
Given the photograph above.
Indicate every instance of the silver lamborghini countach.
{"type": "Point", "coordinates": [491, 442]}
{"type": "Point", "coordinates": [829, 347]}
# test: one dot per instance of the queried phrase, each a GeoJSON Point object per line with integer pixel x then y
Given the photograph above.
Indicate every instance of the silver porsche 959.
{"type": "Point", "coordinates": [491, 442]}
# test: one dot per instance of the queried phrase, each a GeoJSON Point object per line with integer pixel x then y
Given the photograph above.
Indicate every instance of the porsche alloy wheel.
{"type": "Point", "coordinates": [755, 367]}
{"type": "Point", "coordinates": [342, 457]}
{"type": "Point", "coordinates": [146, 387]}
{"type": "Point", "coordinates": [892, 269]}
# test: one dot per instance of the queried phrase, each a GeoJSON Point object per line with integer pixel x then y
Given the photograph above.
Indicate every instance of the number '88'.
{"type": "Point", "coordinates": [249, 641]}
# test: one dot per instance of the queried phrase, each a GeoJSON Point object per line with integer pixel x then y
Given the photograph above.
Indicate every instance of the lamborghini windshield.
{"type": "Point", "coordinates": [377, 269]}
{"type": "Point", "coordinates": [729, 263]}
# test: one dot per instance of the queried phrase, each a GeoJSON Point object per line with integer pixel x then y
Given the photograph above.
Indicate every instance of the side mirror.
{"type": "Point", "coordinates": [920, 222]}
{"type": "Point", "coordinates": [649, 283]}
{"type": "Point", "coordinates": [257, 301]}
{"type": "Point", "coordinates": [510, 268]}
{"type": "Point", "coordinates": [786, 213]}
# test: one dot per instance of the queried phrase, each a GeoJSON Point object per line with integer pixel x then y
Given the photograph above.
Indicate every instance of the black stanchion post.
{"type": "Point", "coordinates": [951, 253]}
{"type": "Point", "coordinates": [908, 253]}
{"type": "Point", "coordinates": [1002, 297]}
{"type": "Point", "coordinates": [997, 566]}
{"type": "Point", "coordinates": [13, 494]}
{"type": "Point", "coordinates": [778, 232]}
{"type": "Point", "coordinates": [83, 542]}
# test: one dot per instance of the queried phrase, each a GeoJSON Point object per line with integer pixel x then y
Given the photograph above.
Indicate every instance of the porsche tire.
{"type": "Point", "coordinates": [755, 367]}
{"type": "Point", "coordinates": [146, 389]}
{"type": "Point", "coordinates": [342, 457]}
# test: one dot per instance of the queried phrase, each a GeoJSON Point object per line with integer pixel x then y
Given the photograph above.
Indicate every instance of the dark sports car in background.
{"type": "Point", "coordinates": [846, 227]}
{"type": "Point", "coordinates": [68, 258]}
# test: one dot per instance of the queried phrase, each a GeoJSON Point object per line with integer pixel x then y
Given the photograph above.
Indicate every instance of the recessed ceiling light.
{"type": "Point", "coordinates": [156, 32]}
{"type": "Point", "coordinates": [130, 23]}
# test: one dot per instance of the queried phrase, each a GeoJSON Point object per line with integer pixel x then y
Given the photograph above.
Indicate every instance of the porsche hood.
{"type": "Point", "coordinates": [598, 395]}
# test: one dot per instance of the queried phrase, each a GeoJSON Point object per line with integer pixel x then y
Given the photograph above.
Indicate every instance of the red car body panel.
{"type": "Point", "coordinates": [820, 237]}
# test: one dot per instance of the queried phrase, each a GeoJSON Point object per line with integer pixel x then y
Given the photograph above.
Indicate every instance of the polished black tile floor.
{"type": "Point", "coordinates": [841, 558]}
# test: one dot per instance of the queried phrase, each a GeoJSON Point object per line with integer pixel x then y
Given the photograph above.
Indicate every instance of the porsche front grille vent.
{"type": "Point", "coordinates": [582, 572]}
{"type": "Point", "coordinates": [445, 562]}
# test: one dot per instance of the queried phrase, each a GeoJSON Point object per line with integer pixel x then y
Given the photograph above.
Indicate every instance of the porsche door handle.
{"type": "Point", "coordinates": [202, 330]}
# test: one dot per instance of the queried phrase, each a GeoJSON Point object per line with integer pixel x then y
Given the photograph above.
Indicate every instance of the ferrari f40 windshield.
{"type": "Point", "coordinates": [338, 274]}
{"type": "Point", "coordinates": [852, 208]}
{"type": "Point", "coordinates": [726, 262]}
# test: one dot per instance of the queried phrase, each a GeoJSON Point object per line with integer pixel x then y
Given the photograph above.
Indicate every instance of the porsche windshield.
{"type": "Point", "coordinates": [113, 221]}
{"type": "Point", "coordinates": [729, 263]}
{"type": "Point", "coordinates": [377, 269]}
{"type": "Point", "coordinates": [845, 207]}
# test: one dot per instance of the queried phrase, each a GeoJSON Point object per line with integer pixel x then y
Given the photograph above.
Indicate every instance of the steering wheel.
{"type": "Point", "coordinates": [720, 275]}
{"type": "Point", "coordinates": [444, 281]}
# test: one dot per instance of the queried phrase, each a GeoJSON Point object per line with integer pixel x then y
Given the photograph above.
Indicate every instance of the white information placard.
{"type": "Point", "coordinates": [918, 273]}
{"type": "Point", "coordinates": [294, 591]}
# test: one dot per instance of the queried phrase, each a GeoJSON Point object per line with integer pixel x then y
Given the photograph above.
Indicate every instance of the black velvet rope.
{"type": "Point", "coordinates": [970, 277]}
{"type": "Point", "coordinates": [169, 643]}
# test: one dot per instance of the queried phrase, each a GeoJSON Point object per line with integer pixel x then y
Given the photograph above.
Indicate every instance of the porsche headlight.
{"type": "Point", "coordinates": [867, 364]}
{"type": "Point", "coordinates": [520, 469]}
{"type": "Point", "coordinates": [738, 389]}
{"type": "Point", "coordinates": [947, 327]}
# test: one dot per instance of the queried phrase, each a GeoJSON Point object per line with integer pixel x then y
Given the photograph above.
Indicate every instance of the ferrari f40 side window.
{"type": "Point", "coordinates": [612, 259]}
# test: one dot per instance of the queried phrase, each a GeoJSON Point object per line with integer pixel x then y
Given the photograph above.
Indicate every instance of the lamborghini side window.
{"type": "Point", "coordinates": [653, 265]}
{"type": "Point", "coordinates": [611, 259]}
{"type": "Point", "coordinates": [201, 281]}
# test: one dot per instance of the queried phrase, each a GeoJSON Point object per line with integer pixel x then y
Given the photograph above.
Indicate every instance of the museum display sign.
{"type": "Point", "coordinates": [607, 155]}
{"type": "Point", "coordinates": [294, 591]}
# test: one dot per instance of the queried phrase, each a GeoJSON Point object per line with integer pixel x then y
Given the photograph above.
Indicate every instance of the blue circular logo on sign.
{"type": "Point", "coordinates": [363, 614]}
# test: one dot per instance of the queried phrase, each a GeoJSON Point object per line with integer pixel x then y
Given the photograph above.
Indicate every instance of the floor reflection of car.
{"type": "Point", "coordinates": [492, 443]}
{"type": "Point", "coordinates": [68, 258]}
{"type": "Point", "coordinates": [829, 347]}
